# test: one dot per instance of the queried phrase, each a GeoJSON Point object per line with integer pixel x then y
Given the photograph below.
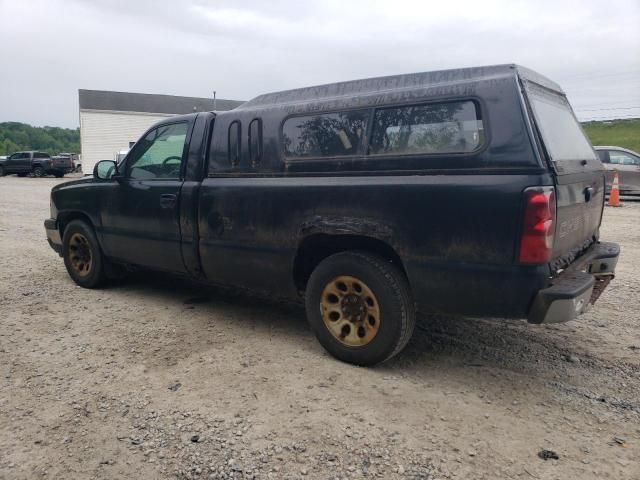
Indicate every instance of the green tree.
{"type": "Point", "coordinates": [16, 136]}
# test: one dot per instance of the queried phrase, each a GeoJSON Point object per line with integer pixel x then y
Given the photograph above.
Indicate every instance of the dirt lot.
{"type": "Point", "coordinates": [158, 378]}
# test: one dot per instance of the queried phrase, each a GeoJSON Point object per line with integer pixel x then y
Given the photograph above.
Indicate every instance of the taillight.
{"type": "Point", "coordinates": [538, 226]}
{"type": "Point", "coordinates": [50, 162]}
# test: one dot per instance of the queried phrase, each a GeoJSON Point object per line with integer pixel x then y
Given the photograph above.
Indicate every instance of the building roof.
{"type": "Point", "coordinates": [345, 92]}
{"type": "Point", "coordinates": [149, 103]}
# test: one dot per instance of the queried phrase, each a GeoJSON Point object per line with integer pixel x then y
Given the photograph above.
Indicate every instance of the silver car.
{"type": "Point", "coordinates": [627, 164]}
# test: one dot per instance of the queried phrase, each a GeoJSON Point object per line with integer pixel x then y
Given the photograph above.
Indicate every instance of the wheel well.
{"type": "Point", "coordinates": [315, 248]}
{"type": "Point", "coordinates": [65, 218]}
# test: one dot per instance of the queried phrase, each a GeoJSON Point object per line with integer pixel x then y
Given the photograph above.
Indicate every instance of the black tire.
{"type": "Point", "coordinates": [2, 172]}
{"type": "Point", "coordinates": [38, 172]}
{"type": "Point", "coordinates": [396, 308]}
{"type": "Point", "coordinates": [59, 175]}
{"type": "Point", "coordinates": [21, 175]}
{"type": "Point", "coordinates": [92, 275]}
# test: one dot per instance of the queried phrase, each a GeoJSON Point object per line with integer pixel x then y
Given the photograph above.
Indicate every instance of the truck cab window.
{"type": "Point", "coordinates": [255, 141]}
{"type": "Point", "coordinates": [159, 154]}
{"type": "Point", "coordinates": [234, 143]}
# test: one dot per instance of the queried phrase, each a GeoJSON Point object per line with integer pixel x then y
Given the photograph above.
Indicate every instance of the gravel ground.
{"type": "Point", "coordinates": [160, 378]}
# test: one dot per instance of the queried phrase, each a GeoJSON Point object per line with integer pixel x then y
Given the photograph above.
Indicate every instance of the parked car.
{"type": "Point", "coordinates": [76, 160]}
{"type": "Point", "coordinates": [470, 191]}
{"type": "Point", "coordinates": [37, 163]}
{"type": "Point", "coordinates": [626, 162]}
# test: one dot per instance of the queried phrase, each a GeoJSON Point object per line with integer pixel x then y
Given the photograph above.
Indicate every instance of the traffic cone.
{"type": "Point", "coordinates": [614, 196]}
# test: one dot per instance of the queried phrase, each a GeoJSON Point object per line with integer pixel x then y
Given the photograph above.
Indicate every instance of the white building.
{"type": "Point", "coordinates": [112, 121]}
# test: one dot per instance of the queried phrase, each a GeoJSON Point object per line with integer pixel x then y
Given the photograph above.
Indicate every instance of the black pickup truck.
{"type": "Point", "coordinates": [37, 164]}
{"type": "Point", "coordinates": [470, 191]}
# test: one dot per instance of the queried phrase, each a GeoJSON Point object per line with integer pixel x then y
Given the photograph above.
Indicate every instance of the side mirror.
{"type": "Point", "coordinates": [105, 170]}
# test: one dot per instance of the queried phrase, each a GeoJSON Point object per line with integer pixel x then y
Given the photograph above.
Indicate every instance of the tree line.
{"type": "Point", "coordinates": [15, 136]}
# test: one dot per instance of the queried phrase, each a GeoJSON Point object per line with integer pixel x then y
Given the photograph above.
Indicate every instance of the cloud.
{"type": "Point", "coordinates": [49, 49]}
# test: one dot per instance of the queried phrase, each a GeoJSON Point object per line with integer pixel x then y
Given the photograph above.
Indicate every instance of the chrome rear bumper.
{"type": "Point", "coordinates": [579, 286]}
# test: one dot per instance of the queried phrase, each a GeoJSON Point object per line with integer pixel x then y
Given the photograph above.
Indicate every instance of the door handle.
{"type": "Point", "coordinates": [168, 200]}
{"type": "Point", "coordinates": [588, 193]}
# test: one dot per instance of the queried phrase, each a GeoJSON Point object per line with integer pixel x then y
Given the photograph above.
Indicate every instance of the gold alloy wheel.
{"type": "Point", "coordinates": [350, 311]}
{"type": "Point", "coordinates": [80, 254]}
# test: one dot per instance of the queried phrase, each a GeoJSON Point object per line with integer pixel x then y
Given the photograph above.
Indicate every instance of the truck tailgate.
{"type": "Point", "coordinates": [61, 163]}
{"type": "Point", "coordinates": [579, 173]}
{"type": "Point", "coordinates": [579, 201]}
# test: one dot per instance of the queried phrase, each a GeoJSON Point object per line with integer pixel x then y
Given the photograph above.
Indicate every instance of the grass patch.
{"type": "Point", "coordinates": [621, 133]}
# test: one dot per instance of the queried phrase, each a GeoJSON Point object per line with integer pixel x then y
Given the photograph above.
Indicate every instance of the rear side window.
{"type": "Point", "coordinates": [452, 127]}
{"type": "Point", "coordinates": [561, 133]}
{"type": "Point", "coordinates": [621, 158]}
{"type": "Point", "coordinates": [234, 143]}
{"type": "Point", "coordinates": [325, 135]}
{"type": "Point", "coordinates": [40, 155]}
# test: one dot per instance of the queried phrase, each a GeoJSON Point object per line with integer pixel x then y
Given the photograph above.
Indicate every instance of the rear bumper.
{"type": "Point", "coordinates": [53, 235]}
{"type": "Point", "coordinates": [54, 170]}
{"type": "Point", "coordinates": [576, 288]}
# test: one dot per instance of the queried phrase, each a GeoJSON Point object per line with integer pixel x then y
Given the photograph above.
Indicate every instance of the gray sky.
{"type": "Point", "coordinates": [49, 49]}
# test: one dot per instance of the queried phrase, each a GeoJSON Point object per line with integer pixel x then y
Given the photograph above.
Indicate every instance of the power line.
{"type": "Point", "coordinates": [599, 75]}
{"type": "Point", "coordinates": [603, 109]}
{"type": "Point", "coordinates": [594, 85]}
{"type": "Point", "coordinates": [616, 117]}
{"type": "Point", "coordinates": [609, 103]}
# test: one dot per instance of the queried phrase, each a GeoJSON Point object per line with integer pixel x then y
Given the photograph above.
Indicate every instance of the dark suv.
{"type": "Point", "coordinates": [37, 163]}
{"type": "Point", "coordinates": [470, 191]}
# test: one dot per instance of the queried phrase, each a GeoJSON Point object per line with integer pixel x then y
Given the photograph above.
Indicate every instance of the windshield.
{"type": "Point", "coordinates": [561, 133]}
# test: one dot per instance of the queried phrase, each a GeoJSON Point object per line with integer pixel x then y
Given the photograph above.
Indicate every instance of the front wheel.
{"type": "Point", "coordinates": [82, 255]}
{"type": "Point", "coordinates": [2, 172]}
{"type": "Point", "coordinates": [38, 172]}
{"type": "Point", "coordinates": [360, 307]}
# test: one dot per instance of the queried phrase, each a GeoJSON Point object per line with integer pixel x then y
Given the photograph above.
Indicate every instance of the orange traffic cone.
{"type": "Point", "coordinates": [614, 196]}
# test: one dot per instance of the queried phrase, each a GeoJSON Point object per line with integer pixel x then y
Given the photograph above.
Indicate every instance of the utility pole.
{"type": "Point", "coordinates": [214, 100]}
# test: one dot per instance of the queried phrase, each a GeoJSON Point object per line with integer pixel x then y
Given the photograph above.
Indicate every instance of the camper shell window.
{"type": "Point", "coordinates": [451, 127]}
{"type": "Point", "coordinates": [325, 135]}
{"type": "Point", "coordinates": [234, 143]}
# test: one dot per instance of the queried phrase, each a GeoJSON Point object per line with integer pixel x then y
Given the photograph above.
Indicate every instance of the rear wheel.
{"type": "Point", "coordinates": [59, 175]}
{"type": "Point", "coordinates": [360, 307]}
{"type": "Point", "coordinates": [38, 171]}
{"type": "Point", "coordinates": [22, 175]}
{"type": "Point", "coordinates": [82, 255]}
